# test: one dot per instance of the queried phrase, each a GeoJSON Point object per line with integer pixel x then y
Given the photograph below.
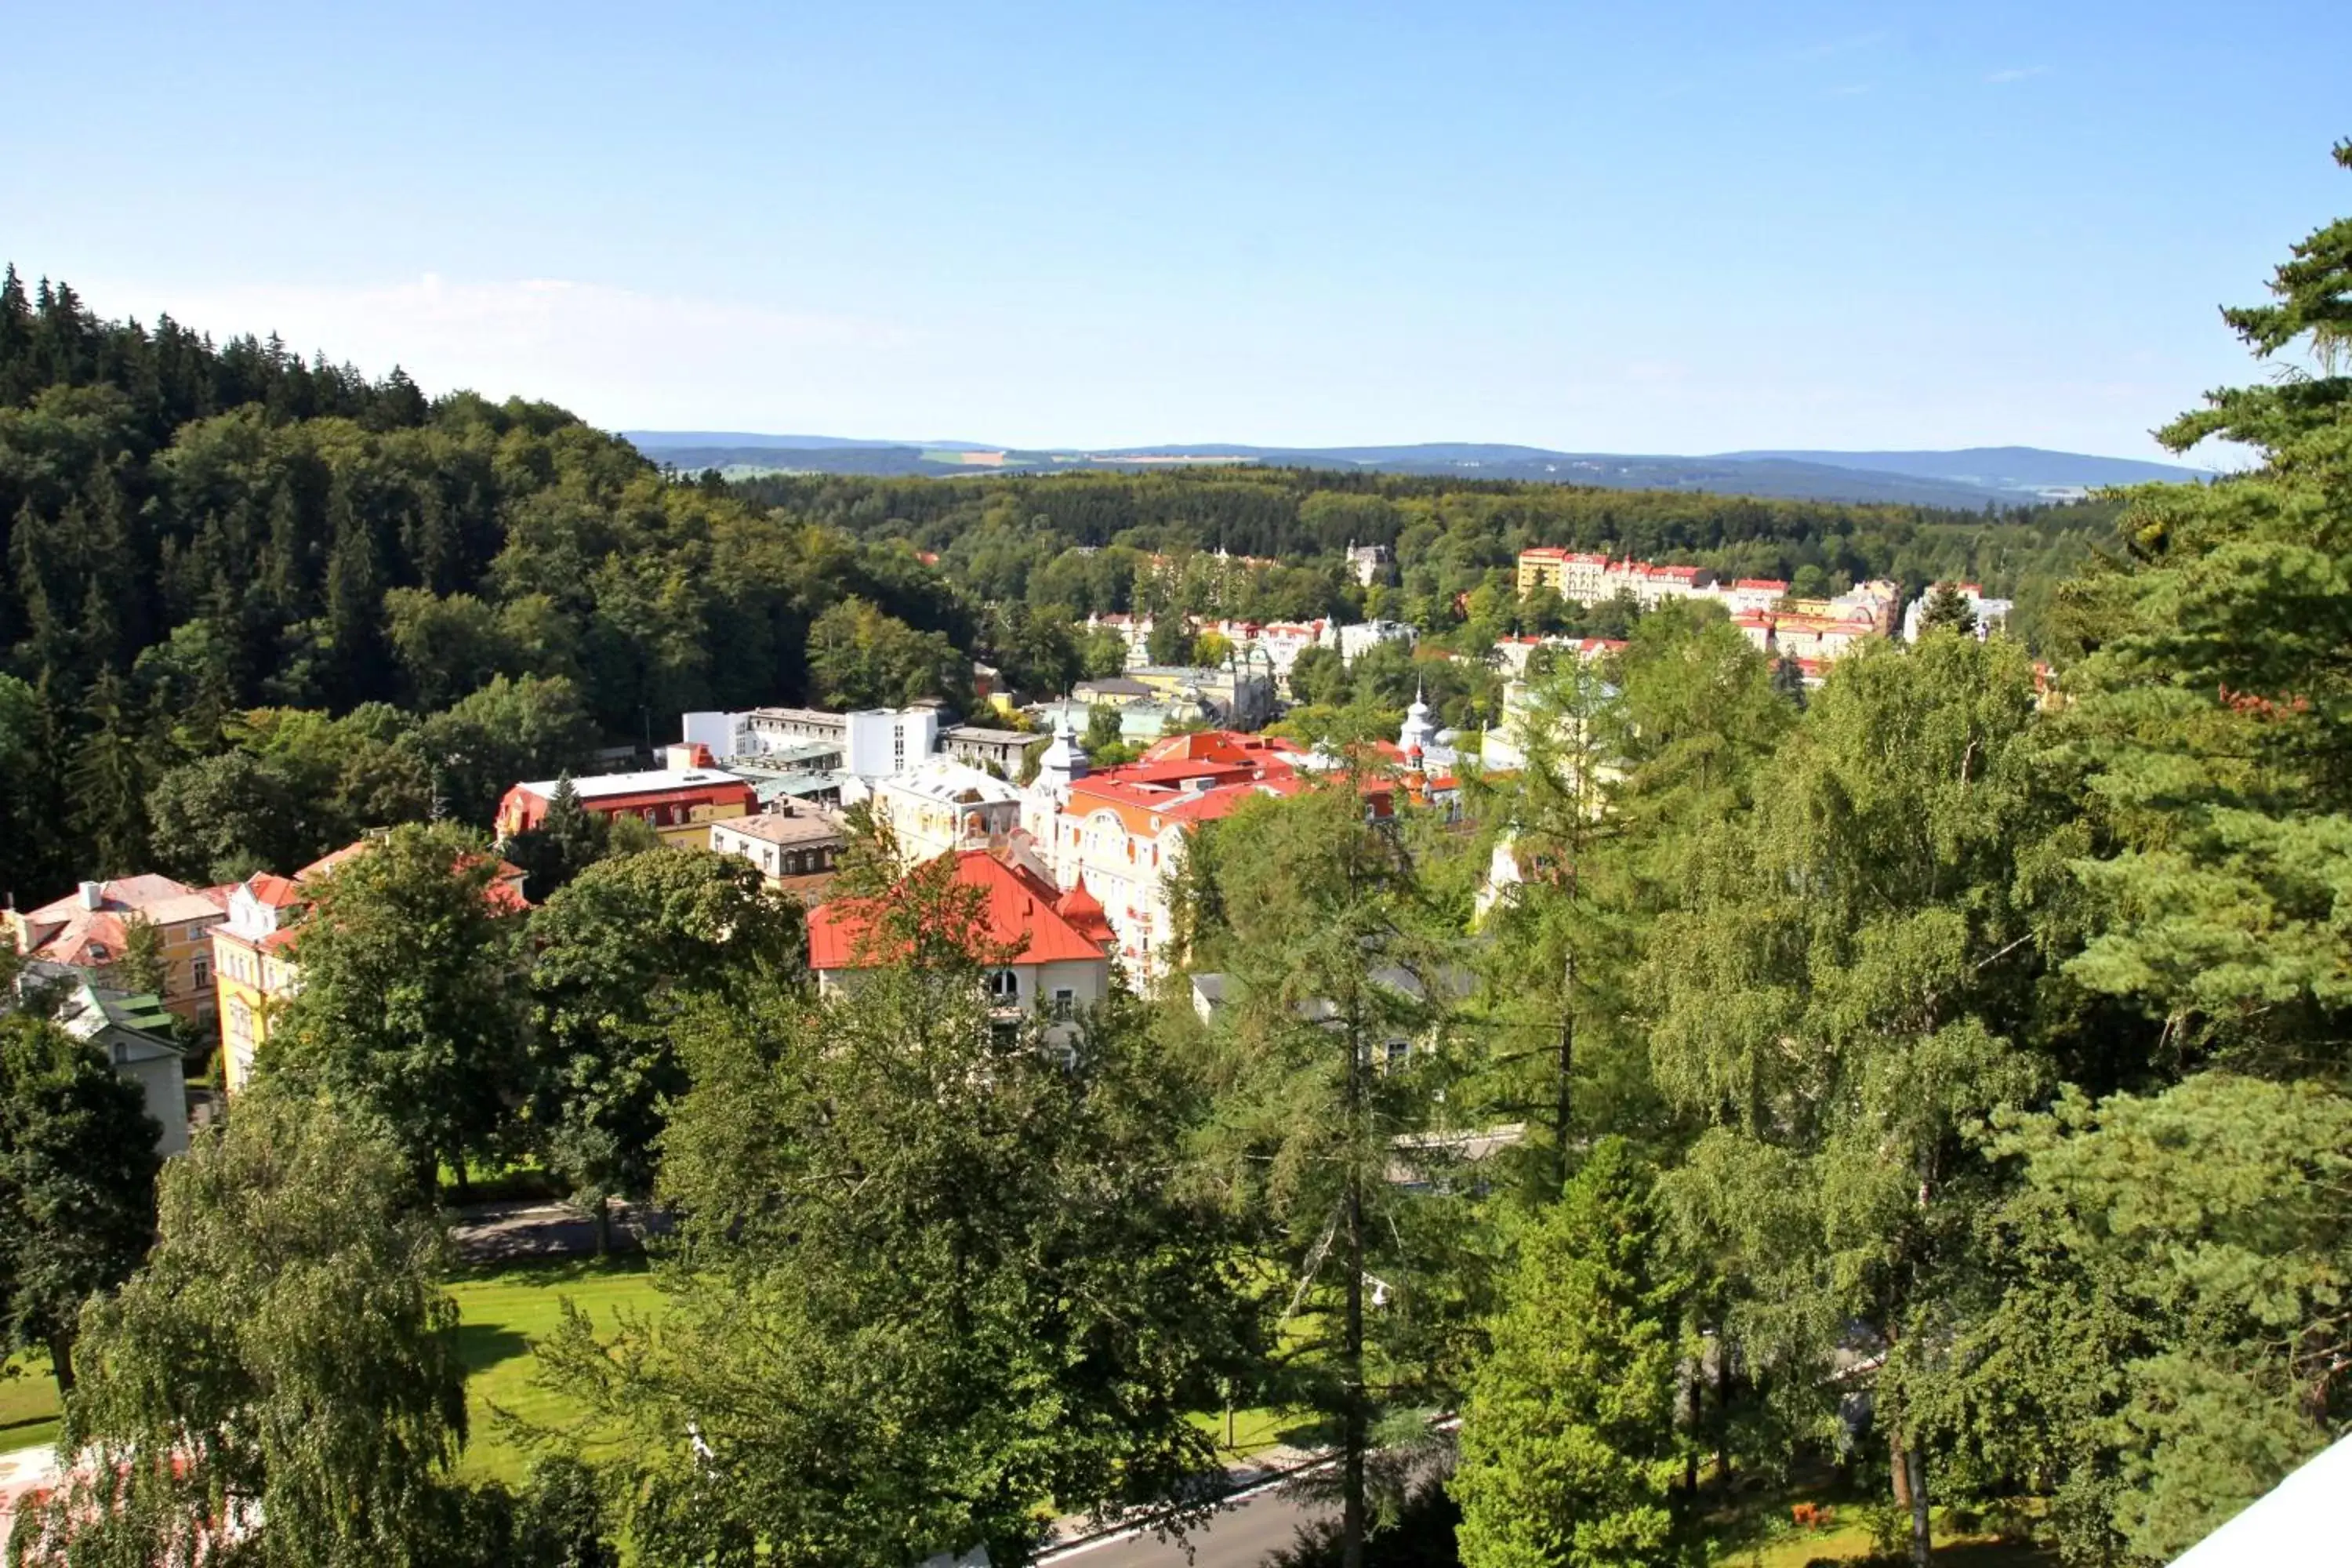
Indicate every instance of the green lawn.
{"type": "Point", "coordinates": [28, 1404]}
{"type": "Point", "coordinates": [1772, 1542]}
{"type": "Point", "coordinates": [500, 1316]}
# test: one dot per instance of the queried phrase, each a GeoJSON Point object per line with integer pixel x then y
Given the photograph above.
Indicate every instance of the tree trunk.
{"type": "Point", "coordinates": [1353, 1438]}
{"type": "Point", "coordinates": [61, 1348]}
{"type": "Point", "coordinates": [1915, 1459]}
{"type": "Point", "coordinates": [1723, 1411]}
{"type": "Point", "coordinates": [1899, 1465]}
{"type": "Point", "coordinates": [604, 1225]}
{"type": "Point", "coordinates": [1564, 1110]}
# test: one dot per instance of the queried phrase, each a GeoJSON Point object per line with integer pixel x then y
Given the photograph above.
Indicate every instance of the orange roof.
{"type": "Point", "coordinates": [1018, 913]}
{"type": "Point", "coordinates": [1085, 913]}
{"type": "Point", "coordinates": [1772, 584]}
{"type": "Point", "coordinates": [268, 888]}
{"type": "Point", "coordinates": [67, 930]}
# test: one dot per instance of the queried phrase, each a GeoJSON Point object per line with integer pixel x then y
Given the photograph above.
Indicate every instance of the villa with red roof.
{"type": "Point", "coordinates": [1123, 830]}
{"type": "Point", "coordinates": [89, 929]}
{"type": "Point", "coordinates": [1055, 946]}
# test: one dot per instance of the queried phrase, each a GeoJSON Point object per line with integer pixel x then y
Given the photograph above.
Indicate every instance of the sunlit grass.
{"type": "Point", "coordinates": [28, 1404]}
{"type": "Point", "coordinates": [501, 1316]}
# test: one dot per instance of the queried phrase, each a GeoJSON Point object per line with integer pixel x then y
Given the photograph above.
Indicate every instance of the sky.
{"type": "Point", "coordinates": [1633, 227]}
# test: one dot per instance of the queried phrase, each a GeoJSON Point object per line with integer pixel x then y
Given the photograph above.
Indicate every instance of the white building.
{"type": "Point", "coordinates": [945, 806]}
{"type": "Point", "coordinates": [872, 742]}
{"type": "Point", "coordinates": [1362, 637]}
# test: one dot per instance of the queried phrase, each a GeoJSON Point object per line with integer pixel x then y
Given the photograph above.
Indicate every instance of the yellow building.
{"type": "Point", "coordinates": [252, 969]}
{"type": "Point", "coordinates": [92, 928]}
{"type": "Point", "coordinates": [253, 966]}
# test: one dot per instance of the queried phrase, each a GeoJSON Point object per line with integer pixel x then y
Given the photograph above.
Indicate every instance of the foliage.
{"type": "Point", "coordinates": [861, 657]}
{"type": "Point", "coordinates": [281, 1365]}
{"type": "Point", "coordinates": [1569, 1452]}
{"type": "Point", "coordinates": [408, 1006]}
{"type": "Point", "coordinates": [931, 1274]}
{"type": "Point", "coordinates": [616, 956]}
{"type": "Point", "coordinates": [1325, 1055]}
{"type": "Point", "coordinates": [77, 1166]}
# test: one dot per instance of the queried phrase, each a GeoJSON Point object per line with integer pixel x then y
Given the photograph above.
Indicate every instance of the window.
{"type": "Point", "coordinates": [1065, 1000]}
{"type": "Point", "coordinates": [201, 970]}
{"type": "Point", "coordinates": [1005, 985]}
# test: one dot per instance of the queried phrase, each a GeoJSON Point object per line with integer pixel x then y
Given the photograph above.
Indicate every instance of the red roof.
{"type": "Point", "coordinates": [1083, 912]}
{"type": "Point", "coordinates": [1019, 912]}
{"type": "Point", "coordinates": [268, 888]}
{"type": "Point", "coordinates": [1766, 584]}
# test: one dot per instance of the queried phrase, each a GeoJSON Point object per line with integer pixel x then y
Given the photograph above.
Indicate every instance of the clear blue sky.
{"type": "Point", "coordinates": [1630, 227]}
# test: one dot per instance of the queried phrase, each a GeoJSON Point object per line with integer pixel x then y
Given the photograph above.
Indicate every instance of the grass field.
{"type": "Point", "coordinates": [500, 1316]}
{"type": "Point", "coordinates": [28, 1404]}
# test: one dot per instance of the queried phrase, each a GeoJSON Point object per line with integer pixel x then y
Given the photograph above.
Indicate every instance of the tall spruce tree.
{"type": "Point", "coordinates": [1570, 1454]}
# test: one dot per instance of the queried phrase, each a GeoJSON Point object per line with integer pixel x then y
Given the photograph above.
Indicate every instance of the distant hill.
{"type": "Point", "coordinates": [1969, 479]}
{"type": "Point", "coordinates": [753, 440]}
{"type": "Point", "coordinates": [2000, 468]}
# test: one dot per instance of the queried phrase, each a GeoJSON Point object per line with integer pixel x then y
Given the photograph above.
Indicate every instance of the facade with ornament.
{"type": "Point", "coordinates": [1121, 833]}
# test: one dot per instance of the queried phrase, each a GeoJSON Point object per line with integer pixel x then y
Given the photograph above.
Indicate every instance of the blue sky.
{"type": "Point", "coordinates": [1628, 227]}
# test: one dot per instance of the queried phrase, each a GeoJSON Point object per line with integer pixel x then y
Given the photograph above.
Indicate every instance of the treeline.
{"type": "Point", "coordinates": [1076, 539]}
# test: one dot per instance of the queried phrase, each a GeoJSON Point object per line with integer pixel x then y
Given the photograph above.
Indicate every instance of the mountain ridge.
{"type": "Point", "coordinates": [1961, 478]}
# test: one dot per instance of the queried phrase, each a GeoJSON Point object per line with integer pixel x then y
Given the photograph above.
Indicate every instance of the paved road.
{"type": "Point", "coordinates": [524, 1232]}
{"type": "Point", "coordinates": [1241, 1535]}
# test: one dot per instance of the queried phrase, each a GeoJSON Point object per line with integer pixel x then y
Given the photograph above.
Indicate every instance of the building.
{"type": "Point", "coordinates": [131, 1030]}
{"type": "Point", "coordinates": [1514, 655]}
{"type": "Point", "coordinates": [253, 968]}
{"type": "Point", "coordinates": [1122, 831]}
{"type": "Point", "coordinates": [1369, 563]}
{"type": "Point", "coordinates": [797, 848]}
{"type": "Point", "coordinates": [872, 742]}
{"type": "Point", "coordinates": [677, 804]}
{"type": "Point", "coordinates": [981, 747]}
{"type": "Point", "coordinates": [1056, 945]}
{"type": "Point", "coordinates": [1574, 574]}
{"type": "Point", "coordinates": [1231, 696]}
{"type": "Point", "coordinates": [90, 929]}
{"type": "Point", "coordinates": [946, 805]}
{"type": "Point", "coordinates": [254, 962]}
{"type": "Point", "coordinates": [1750, 593]}
{"type": "Point", "coordinates": [1355, 641]}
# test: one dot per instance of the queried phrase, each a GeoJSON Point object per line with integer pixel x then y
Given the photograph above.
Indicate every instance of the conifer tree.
{"type": "Point", "coordinates": [1570, 1457]}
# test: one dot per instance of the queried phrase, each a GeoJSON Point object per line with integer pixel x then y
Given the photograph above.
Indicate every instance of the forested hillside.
{"type": "Point", "coordinates": [203, 542]}
{"type": "Point", "coordinates": [232, 573]}
{"type": "Point", "coordinates": [1014, 537]}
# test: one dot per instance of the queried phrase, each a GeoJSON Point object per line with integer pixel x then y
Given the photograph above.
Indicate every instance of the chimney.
{"type": "Point", "coordinates": [93, 895]}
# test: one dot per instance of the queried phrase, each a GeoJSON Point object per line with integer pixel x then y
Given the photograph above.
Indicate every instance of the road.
{"type": "Point", "coordinates": [1240, 1535]}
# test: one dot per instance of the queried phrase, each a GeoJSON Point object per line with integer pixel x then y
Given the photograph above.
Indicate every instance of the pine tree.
{"type": "Point", "coordinates": [109, 772]}
{"type": "Point", "coordinates": [1948, 610]}
{"type": "Point", "coordinates": [1569, 1453]}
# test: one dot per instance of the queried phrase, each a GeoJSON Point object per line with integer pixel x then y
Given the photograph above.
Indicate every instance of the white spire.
{"type": "Point", "coordinates": [1417, 731]}
{"type": "Point", "coordinates": [1062, 762]}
